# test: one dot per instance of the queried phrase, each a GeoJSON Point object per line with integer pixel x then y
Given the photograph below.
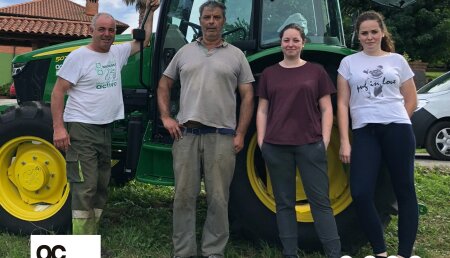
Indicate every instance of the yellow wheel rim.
{"type": "Point", "coordinates": [33, 184]}
{"type": "Point", "coordinates": [338, 178]}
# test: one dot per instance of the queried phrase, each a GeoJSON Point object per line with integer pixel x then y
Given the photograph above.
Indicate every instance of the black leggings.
{"type": "Point", "coordinates": [395, 145]}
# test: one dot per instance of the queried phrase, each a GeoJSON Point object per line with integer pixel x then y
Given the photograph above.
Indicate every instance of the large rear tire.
{"type": "Point", "coordinates": [252, 205]}
{"type": "Point", "coordinates": [34, 193]}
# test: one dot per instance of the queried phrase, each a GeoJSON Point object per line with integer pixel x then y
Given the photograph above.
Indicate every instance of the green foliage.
{"type": "Point", "coordinates": [241, 30]}
{"type": "Point", "coordinates": [422, 29]}
{"type": "Point", "coordinates": [4, 89]}
{"type": "Point", "coordinates": [433, 75]}
{"type": "Point", "coordinates": [138, 3]}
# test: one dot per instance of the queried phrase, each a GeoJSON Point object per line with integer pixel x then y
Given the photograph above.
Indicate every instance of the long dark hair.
{"type": "Point", "coordinates": [387, 43]}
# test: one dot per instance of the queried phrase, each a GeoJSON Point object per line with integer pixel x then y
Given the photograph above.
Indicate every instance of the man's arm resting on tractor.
{"type": "Point", "coordinates": [135, 45]}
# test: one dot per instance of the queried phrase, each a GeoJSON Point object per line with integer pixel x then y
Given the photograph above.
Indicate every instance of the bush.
{"type": "Point", "coordinates": [4, 89]}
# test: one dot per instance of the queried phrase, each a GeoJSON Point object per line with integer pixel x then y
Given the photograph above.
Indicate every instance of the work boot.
{"type": "Point", "coordinates": [84, 226]}
{"type": "Point", "coordinates": [83, 223]}
{"type": "Point", "coordinates": [97, 215]}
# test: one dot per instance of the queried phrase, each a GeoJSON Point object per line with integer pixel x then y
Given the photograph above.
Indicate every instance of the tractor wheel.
{"type": "Point", "coordinates": [34, 193]}
{"type": "Point", "coordinates": [252, 204]}
{"type": "Point", "coordinates": [438, 141]}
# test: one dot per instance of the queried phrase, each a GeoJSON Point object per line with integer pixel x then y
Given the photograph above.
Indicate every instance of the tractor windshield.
{"type": "Point", "coordinates": [321, 20]}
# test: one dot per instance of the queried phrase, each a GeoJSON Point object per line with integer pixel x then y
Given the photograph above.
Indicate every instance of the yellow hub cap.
{"type": "Point", "coordinates": [33, 184]}
{"type": "Point", "coordinates": [340, 197]}
{"type": "Point", "coordinates": [32, 177]}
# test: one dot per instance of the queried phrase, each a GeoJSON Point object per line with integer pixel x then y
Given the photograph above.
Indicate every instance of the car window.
{"type": "Point", "coordinates": [439, 84]}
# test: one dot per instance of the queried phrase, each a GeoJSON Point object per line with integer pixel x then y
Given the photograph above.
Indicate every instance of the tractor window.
{"type": "Point", "coordinates": [318, 18]}
{"type": "Point", "coordinates": [237, 26]}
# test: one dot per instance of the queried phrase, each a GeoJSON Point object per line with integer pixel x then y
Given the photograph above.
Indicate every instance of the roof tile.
{"type": "Point", "coordinates": [60, 9]}
{"type": "Point", "coordinates": [44, 26]}
{"type": "Point", "coordinates": [55, 17]}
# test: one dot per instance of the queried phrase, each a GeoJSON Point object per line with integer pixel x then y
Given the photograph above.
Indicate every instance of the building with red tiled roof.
{"type": "Point", "coordinates": [44, 22]}
{"type": "Point", "coordinates": [41, 23]}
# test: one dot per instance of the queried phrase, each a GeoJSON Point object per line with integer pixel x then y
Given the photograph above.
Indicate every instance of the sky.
{"type": "Point", "coordinates": [117, 8]}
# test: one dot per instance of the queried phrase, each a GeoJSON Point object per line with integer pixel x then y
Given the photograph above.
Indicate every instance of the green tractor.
{"type": "Point", "coordinates": [34, 193]}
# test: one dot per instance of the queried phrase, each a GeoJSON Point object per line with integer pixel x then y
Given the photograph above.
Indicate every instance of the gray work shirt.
{"type": "Point", "coordinates": [209, 80]}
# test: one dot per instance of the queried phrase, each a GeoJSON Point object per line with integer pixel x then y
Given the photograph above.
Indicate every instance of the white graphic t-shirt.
{"type": "Point", "coordinates": [96, 93]}
{"type": "Point", "coordinates": [375, 83]}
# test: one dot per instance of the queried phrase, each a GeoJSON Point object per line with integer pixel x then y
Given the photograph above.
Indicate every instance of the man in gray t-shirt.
{"type": "Point", "coordinates": [205, 130]}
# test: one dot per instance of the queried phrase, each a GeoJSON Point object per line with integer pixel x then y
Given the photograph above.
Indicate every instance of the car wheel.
{"type": "Point", "coordinates": [438, 141]}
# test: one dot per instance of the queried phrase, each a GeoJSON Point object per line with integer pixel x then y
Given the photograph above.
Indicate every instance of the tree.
{"type": "Point", "coordinates": [422, 29]}
{"type": "Point", "coordinates": [140, 6]}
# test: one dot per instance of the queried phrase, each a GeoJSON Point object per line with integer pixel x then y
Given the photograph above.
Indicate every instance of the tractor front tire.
{"type": "Point", "coordinates": [34, 193]}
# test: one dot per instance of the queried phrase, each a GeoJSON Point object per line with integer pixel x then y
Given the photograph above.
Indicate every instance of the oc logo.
{"type": "Point", "coordinates": [51, 252]}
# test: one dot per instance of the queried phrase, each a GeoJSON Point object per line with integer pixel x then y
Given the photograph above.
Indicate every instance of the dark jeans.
{"type": "Point", "coordinates": [395, 144]}
{"type": "Point", "coordinates": [282, 161]}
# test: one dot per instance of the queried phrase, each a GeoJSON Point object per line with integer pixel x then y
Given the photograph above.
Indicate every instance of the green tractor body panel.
{"type": "Point", "coordinates": [339, 50]}
{"type": "Point", "coordinates": [155, 161]}
{"type": "Point", "coordinates": [6, 105]}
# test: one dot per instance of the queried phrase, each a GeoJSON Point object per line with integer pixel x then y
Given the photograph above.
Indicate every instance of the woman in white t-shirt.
{"type": "Point", "coordinates": [377, 86]}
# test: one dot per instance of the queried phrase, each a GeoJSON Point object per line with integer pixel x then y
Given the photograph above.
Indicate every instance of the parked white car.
{"type": "Point", "coordinates": [431, 120]}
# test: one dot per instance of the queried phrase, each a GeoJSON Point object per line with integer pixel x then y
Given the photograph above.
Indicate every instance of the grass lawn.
{"type": "Point", "coordinates": [433, 75]}
{"type": "Point", "coordinates": [138, 222]}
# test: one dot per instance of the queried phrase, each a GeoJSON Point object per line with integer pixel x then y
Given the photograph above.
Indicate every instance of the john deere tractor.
{"type": "Point", "coordinates": [34, 192]}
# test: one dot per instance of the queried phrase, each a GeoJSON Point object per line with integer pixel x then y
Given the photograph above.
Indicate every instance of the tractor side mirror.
{"type": "Point", "coordinates": [139, 34]}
